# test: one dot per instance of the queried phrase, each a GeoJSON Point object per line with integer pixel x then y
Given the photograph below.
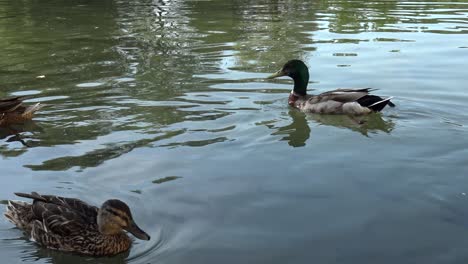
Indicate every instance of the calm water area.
{"type": "Point", "coordinates": [164, 105]}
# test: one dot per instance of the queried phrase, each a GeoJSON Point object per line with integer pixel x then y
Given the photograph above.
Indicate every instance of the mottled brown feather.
{"type": "Point", "coordinates": [13, 111]}
{"type": "Point", "coordinates": [65, 224]}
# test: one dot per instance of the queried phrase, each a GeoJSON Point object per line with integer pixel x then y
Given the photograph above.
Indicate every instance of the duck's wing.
{"type": "Point", "coordinates": [56, 207]}
{"type": "Point", "coordinates": [10, 104]}
{"type": "Point", "coordinates": [60, 220]}
{"type": "Point", "coordinates": [344, 95]}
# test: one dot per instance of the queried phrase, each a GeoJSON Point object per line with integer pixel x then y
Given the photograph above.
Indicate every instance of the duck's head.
{"type": "Point", "coordinates": [298, 71]}
{"type": "Point", "coordinates": [115, 216]}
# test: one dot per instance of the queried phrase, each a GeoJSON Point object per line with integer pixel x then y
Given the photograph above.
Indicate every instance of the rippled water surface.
{"type": "Point", "coordinates": [165, 105]}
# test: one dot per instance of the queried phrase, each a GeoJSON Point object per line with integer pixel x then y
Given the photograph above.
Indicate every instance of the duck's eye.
{"type": "Point", "coordinates": [287, 70]}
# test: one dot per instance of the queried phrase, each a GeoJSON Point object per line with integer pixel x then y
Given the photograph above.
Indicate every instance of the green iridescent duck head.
{"type": "Point", "coordinates": [298, 71]}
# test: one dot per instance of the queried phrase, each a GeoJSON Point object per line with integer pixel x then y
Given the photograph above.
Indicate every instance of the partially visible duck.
{"type": "Point", "coordinates": [340, 101]}
{"type": "Point", "coordinates": [13, 111]}
{"type": "Point", "coordinates": [71, 225]}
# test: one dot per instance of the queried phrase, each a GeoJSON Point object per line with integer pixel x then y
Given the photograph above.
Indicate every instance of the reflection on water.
{"type": "Point", "coordinates": [54, 256]}
{"type": "Point", "coordinates": [166, 179]}
{"type": "Point", "coordinates": [139, 60]}
{"type": "Point", "coordinates": [372, 123]}
{"type": "Point", "coordinates": [18, 133]}
{"type": "Point", "coordinates": [136, 91]}
{"type": "Point", "coordinates": [298, 131]}
{"type": "Point", "coordinates": [97, 156]}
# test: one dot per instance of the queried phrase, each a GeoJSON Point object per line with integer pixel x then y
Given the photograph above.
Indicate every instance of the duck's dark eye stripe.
{"type": "Point", "coordinates": [117, 213]}
{"type": "Point", "coordinates": [113, 212]}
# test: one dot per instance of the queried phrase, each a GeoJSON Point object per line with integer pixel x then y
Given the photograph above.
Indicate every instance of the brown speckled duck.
{"type": "Point", "coordinates": [340, 101]}
{"type": "Point", "coordinates": [71, 225]}
{"type": "Point", "coordinates": [13, 111]}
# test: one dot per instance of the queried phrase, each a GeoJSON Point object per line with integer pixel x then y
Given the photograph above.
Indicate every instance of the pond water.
{"type": "Point", "coordinates": [165, 105]}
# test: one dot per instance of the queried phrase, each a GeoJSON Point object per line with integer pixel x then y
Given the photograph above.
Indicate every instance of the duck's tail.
{"type": "Point", "coordinates": [33, 108]}
{"type": "Point", "coordinates": [375, 103]}
{"type": "Point", "coordinates": [30, 110]}
{"type": "Point", "coordinates": [20, 214]}
{"type": "Point", "coordinates": [32, 195]}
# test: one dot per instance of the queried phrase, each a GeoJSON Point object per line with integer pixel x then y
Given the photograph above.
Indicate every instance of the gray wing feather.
{"type": "Point", "coordinates": [344, 95]}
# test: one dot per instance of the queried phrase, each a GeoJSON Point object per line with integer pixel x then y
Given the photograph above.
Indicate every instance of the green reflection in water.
{"type": "Point", "coordinates": [126, 67]}
{"type": "Point", "coordinates": [166, 179]}
{"type": "Point", "coordinates": [180, 86]}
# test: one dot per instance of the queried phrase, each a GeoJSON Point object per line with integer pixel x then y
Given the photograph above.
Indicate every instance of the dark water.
{"type": "Point", "coordinates": [163, 104]}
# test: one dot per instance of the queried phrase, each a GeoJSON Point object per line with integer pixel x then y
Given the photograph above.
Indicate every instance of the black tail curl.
{"type": "Point", "coordinates": [374, 102]}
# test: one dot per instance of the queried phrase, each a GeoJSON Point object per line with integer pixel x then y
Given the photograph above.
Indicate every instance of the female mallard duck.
{"type": "Point", "coordinates": [340, 101]}
{"type": "Point", "coordinates": [13, 111]}
{"type": "Point", "coordinates": [71, 225]}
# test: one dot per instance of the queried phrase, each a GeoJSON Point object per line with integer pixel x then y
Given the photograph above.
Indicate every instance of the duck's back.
{"type": "Point", "coordinates": [10, 104]}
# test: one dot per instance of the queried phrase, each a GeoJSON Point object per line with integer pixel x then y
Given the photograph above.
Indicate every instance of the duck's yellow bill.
{"type": "Point", "coordinates": [277, 74]}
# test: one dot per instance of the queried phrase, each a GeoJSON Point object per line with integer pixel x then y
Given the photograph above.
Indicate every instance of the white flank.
{"type": "Point", "coordinates": [355, 108]}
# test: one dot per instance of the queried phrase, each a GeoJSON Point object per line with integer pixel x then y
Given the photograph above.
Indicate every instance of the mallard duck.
{"type": "Point", "coordinates": [340, 101]}
{"type": "Point", "coordinates": [71, 225]}
{"type": "Point", "coordinates": [12, 110]}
